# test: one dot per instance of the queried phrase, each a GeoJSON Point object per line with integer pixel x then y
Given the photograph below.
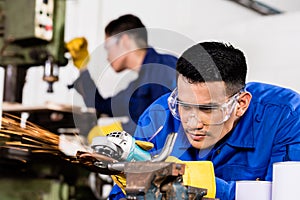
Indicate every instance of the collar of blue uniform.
{"type": "Point", "coordinates": [149, 58]}
{"type": "Point", "coordinates": [242, 135]}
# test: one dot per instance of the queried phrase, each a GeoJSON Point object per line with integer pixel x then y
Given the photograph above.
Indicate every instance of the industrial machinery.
{"type": "Point", "coordinates": [147, 177]}
{"type": "Point", "coordinates": [31, 34]}
{"type": "Point", "coordinates": [31, 156]}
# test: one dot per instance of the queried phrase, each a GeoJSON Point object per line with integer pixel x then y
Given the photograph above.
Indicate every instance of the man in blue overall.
{"type": "Point", "coordinates": [242, 128]}
{"type": "Point", "coordinates": [127, 48]}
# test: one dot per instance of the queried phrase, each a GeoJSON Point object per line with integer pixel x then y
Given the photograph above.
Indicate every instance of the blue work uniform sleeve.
{"type": "Point", "coordinates": [116, 193]}
{"type": "Point", "coordinates": [86, 87]}
{"type": "Point", "coordinates": [225, 190]}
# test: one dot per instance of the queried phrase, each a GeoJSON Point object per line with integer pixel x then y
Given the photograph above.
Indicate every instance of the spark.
{"type": "Point", "coordinates": [19, 140]}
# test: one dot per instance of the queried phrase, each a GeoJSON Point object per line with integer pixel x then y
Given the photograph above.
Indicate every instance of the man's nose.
{"type": "Point", "coordinates": [194, 121]}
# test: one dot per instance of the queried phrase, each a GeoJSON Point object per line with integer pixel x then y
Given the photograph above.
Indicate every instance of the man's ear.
{"type": "Point", "coordinates": [125, 40]}
{"type": "Point", "coordinates": [243, 103]}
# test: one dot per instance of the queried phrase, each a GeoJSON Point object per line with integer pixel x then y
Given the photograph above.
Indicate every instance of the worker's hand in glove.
{"type": "Point", "coordinates": [79, 52]}
{"type": "Point", "coordinates": [199, 174]}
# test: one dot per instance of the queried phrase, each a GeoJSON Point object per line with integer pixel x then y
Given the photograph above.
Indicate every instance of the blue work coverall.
{"type": "Point", "coordinates": [156, 77]}
{"type": "Point", "coordinates": [268, 132]}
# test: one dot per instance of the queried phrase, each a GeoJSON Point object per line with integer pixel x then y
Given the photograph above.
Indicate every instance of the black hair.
{"type": "Point", "coordinates": [131, 25]}
{"type": "Point", "coordinates": [214, 61]}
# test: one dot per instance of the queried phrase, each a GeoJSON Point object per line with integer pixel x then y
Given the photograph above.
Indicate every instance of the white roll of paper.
{"type": "Point", "coordinates": [286, 178]}
{"type": "Point", "coordinates": [250, 190]}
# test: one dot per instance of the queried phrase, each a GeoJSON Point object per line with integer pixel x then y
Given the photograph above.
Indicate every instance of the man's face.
{"type": "Point", "coordinates": [115, 52]}
{"type": "Point", "coordinates": [204, 126]}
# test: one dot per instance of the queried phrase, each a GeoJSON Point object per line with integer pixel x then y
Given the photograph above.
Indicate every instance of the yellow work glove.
{"type": "Point", "coordinates": [198, 174]}
{"type": "Point", "coordinates": [79, 52]}
{"type": "Point", "coordinates": [103, 130]}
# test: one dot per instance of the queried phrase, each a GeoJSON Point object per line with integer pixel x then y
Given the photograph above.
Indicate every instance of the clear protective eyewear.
{"type": "Point", "coordinates": [208, 114]}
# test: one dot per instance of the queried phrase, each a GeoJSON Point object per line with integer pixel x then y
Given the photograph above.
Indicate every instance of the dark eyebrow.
{"type": "Point", "coordinates": [204, 106]}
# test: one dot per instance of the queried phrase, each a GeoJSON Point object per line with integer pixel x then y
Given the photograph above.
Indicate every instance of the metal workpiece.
{"type": "Point", "coordinates": [168, 147]}
{"type": "Point", "coordinates": [97, 163]}
{"type": "Point", "coordinates": [159, 181]}
{"type": "Point", "coordinates": [113, 151]}
{"type": "Point", "coordinates": [146, 179]}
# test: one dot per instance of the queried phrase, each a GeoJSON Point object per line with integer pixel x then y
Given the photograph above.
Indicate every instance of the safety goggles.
{"type": "Point", "coordinates": [215, 114]}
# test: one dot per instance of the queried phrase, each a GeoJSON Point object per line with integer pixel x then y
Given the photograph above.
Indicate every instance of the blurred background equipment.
{"type": "Point", "coordinates": [30, 155]}
{"type": "Point", "coordinates": [32, 34]}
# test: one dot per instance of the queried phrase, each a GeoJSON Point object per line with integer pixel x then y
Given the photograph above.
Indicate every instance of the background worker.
{"type": "Point", "coordinates": [127, 48]}
{"type": "Point", "coordinates": [242, 128]}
